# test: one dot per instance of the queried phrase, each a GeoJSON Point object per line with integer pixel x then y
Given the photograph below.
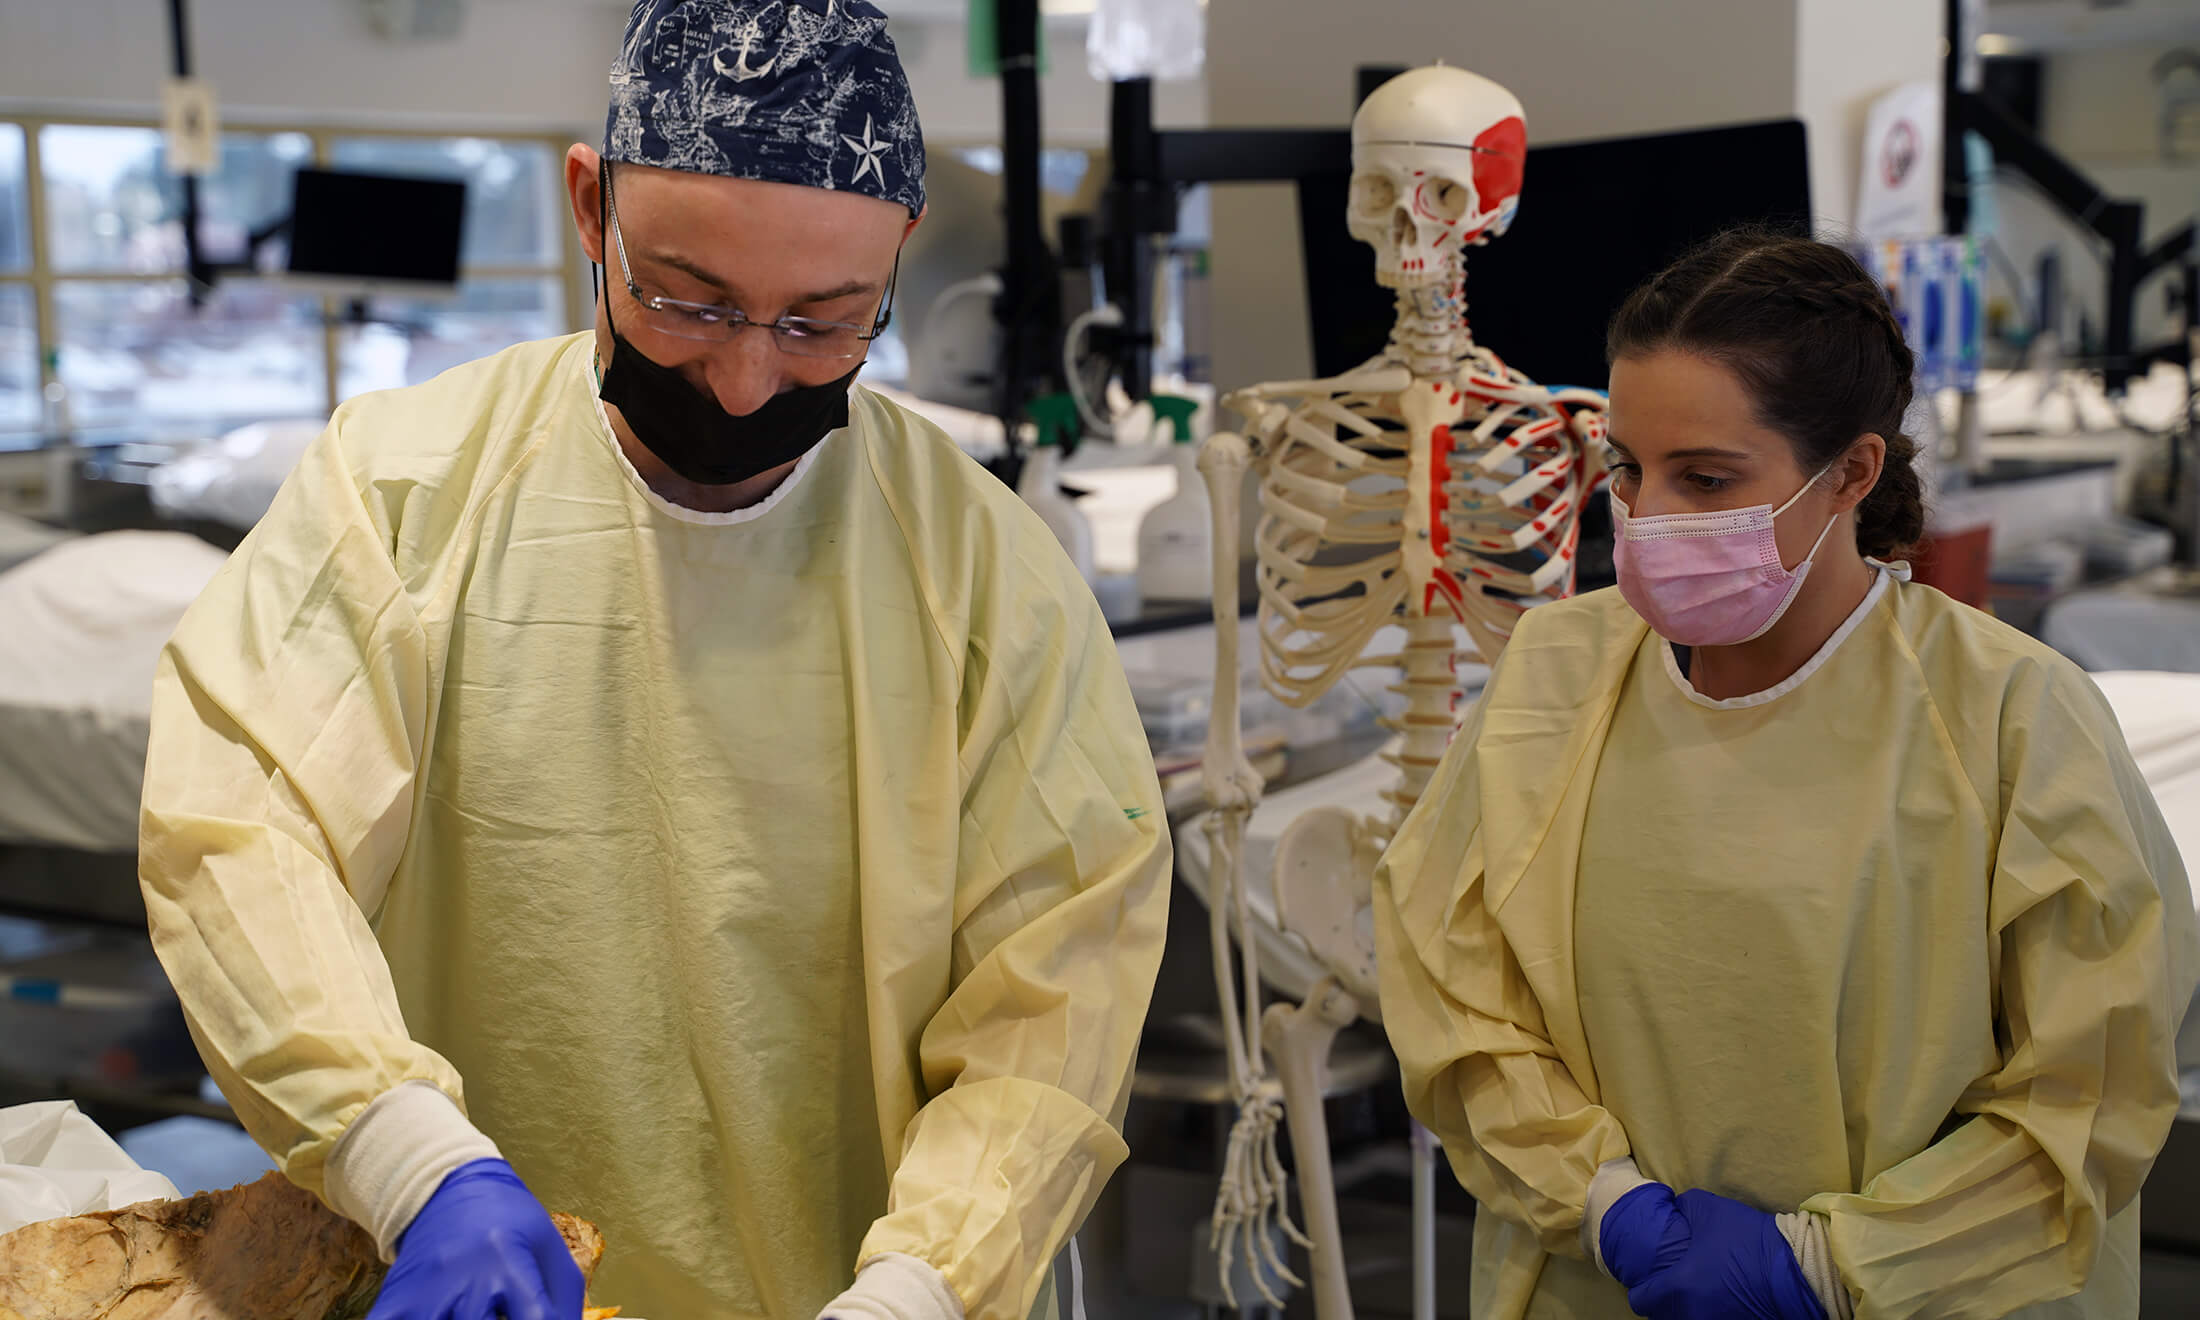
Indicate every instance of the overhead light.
{"type": "Point", "coordinates": [1997, 43]}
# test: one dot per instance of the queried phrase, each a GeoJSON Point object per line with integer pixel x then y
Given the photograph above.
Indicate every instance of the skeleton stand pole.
{"type": "Point", "coordinates": [1424, 1223]}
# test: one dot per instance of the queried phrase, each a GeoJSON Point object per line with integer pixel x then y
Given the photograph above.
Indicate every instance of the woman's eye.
{"type": "Point", "coordinates": [1704, 481]}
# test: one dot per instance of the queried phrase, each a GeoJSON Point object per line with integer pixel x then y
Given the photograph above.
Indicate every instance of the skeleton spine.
{"type": "Point", "coordinates": [1431, 335]}
{"type": "Point", "coordinates": [1432, 691]}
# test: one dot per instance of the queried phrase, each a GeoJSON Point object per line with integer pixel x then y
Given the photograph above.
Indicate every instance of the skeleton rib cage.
{"type": "Point", "coordinates": [1508, 478]}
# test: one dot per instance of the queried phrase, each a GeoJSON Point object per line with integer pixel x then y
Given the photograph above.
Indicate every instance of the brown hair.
{"type": "Point", "coordinates": [1811, 338]}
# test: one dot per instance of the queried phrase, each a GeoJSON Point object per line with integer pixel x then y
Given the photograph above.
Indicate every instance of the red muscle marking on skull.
{"type": "Point", "coordinates": [1500, 159]}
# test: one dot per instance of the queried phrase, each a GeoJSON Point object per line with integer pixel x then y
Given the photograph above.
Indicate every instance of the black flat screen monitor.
{"type": "Point", "coordinates": [370, 232]}
{"type": "Point", "coordinates": [1596, 220]}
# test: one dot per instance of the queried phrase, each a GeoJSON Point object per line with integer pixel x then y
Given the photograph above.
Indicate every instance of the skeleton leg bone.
{"type": "Point", "coordinates": [1300, 1036]}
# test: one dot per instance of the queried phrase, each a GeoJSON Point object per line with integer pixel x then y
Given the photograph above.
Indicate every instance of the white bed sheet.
{"type": "Point", "coordinates": [22, 539]}
{"type": "Point", "coordinates": [2161, 718]}
{"type": "Point", "coordinates": [81, 628]}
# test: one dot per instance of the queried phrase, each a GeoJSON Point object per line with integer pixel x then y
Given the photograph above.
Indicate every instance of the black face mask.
{"type": "Point", "coordinates": [702, 442]}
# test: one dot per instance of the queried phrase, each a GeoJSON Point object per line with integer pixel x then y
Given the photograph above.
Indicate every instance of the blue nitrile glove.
{"type": "Point", "coordinates": [482, 1248]}
{"type": "Point", "coordinates": [1736, 1265]}
{"type": "Point", "coordinates": [1642, 1234]}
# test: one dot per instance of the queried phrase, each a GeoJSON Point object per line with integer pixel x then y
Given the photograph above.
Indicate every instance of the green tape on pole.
{"type": "Point", "coordinates": [984, 40]}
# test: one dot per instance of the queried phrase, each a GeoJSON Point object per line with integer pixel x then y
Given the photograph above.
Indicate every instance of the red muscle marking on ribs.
{"type": "Point", "coordinates": [1439, 462]}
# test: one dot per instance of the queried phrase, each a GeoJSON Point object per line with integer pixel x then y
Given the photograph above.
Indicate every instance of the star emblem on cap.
{"type": "Point", "coordinates": [868, 151]}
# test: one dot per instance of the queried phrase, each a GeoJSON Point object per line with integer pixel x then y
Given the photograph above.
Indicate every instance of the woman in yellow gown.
{"type": "Point", "coordinates": [1782, 938]}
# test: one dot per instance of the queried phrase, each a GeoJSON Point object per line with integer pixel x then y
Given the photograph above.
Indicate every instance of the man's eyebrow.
{"type": "Point", "coordinates": [725, 287]}
{"type": "Point", "coordinates": [689, 268]}
{"type": "Point", "coordinates": [845, 290]}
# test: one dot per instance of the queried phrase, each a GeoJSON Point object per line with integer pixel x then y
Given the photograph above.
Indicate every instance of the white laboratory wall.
{"type": "Point", "coordinates": [1848, 54]}
{"type": "Point", "coordinates": [532, 65]}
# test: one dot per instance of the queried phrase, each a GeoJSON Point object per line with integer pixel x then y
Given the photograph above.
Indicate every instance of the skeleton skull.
{"type": "Point", "coordinates": [1436, 165]}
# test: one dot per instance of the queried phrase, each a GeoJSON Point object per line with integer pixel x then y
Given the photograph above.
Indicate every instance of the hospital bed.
{"type": "Point", "coordinates": [23, 538]}
{"type": "Point", "coordinates": [2161, 718]}
{"type": "Point", "coordinates": [84, 623]}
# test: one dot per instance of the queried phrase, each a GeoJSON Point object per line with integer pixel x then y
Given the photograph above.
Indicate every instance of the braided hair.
{"type": "Point", "coordinates": [1813, 341]}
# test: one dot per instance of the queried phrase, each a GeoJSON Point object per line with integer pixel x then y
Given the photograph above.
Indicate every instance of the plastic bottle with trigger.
{"type": "Point", "coordinates": [1054, 416]}
{"type": "Point", "coordinates": [1176, 537]}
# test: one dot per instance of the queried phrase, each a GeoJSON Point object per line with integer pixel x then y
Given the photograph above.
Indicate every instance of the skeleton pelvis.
{"type": "Point", "coordinates": [1323, 881]}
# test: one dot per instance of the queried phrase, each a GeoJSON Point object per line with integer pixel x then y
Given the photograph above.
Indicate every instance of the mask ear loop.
{"type": "Point", "coordinates": [1812, 553]}
{"type": "Point", "coordinates": [603, 238]}
{"type": "Point", "coordinates": [1805, 489]}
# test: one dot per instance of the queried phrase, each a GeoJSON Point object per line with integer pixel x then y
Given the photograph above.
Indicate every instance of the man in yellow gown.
{"type": "Point", "coordinates": [700, 757]}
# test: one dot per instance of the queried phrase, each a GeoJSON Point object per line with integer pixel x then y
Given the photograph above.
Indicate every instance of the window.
{"type": "Point", "coordinates": [15, 230]}
{"type": "Point", "coordinates": [100, 295]}
{"type": "Point", "coordinates": [405, 342]}
{"type": "Point", "coordinates": [112, 206]}
{"type": "Point", "coordinates": [19, 397]}
{"type": "Point", "coordinates": [137, 353]}
{"type": "Point", "coordinates": [18, 359]}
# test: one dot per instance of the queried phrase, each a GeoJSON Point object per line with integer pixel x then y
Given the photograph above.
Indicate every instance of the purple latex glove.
{"type": "Point", "coordinates": [1734, 1264]}
{"type": "Point", "coordinates": [482, 1248]}
{"type": "Point", "coordinates": [1642, 1234]}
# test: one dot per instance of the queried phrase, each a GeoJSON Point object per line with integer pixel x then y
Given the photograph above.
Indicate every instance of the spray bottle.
{"type": "Point", "coordinates": [1176, 537]}
{"type": "Point", "coordinates": [1055, 418]}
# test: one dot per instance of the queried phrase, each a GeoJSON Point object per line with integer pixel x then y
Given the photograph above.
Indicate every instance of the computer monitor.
{"type": "Point", "coordinates": [374, 233]}
{"type": "Point", "coordinates": [1596, 220]}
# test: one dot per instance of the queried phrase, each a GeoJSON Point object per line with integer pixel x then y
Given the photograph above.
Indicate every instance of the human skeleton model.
{"type": "Point", "coordinates": [1433, 486]}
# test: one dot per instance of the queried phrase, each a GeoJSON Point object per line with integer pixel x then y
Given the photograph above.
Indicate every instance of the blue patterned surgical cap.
{"type": "Point", "coordinates": [790, 91]}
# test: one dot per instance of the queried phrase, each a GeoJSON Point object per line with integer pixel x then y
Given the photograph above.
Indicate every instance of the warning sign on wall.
{"type": "Point", "coordinates": [1899, 195]}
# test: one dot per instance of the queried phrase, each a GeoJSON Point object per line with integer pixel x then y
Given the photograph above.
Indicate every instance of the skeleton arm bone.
{"type": "Point", "coordinates": [1229, 778]}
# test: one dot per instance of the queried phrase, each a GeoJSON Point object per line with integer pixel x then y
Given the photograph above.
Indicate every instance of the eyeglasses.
{"type": "Point", "coordinates": [802, 336]}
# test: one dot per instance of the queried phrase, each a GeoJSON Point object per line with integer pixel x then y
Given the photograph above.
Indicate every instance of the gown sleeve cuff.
{"type": "Point", "coordinates": [395, 1154]}
{"type": "Point", "coordinates": [1810, 1236]}
{"type": "Point", "coordinates": [893, 1286]}
{"type": "Point", "coordinates": [1614, 1179]}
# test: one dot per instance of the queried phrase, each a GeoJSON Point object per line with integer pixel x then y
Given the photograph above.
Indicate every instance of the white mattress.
{"type": "Point", "coordinates": [2161, 718]}
{"type": "Point", "coordinates": [84, 625]}
{"type": "Point", "coordinates": [21, 539]}
{"type": "Point", "coordinates": [233, 480]}
{"type": "Point", "coordinates": [2146, 635]}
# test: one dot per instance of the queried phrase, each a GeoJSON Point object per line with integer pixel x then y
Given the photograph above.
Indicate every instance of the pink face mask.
{"type": "Point", "coordinates": [1708, 579]}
